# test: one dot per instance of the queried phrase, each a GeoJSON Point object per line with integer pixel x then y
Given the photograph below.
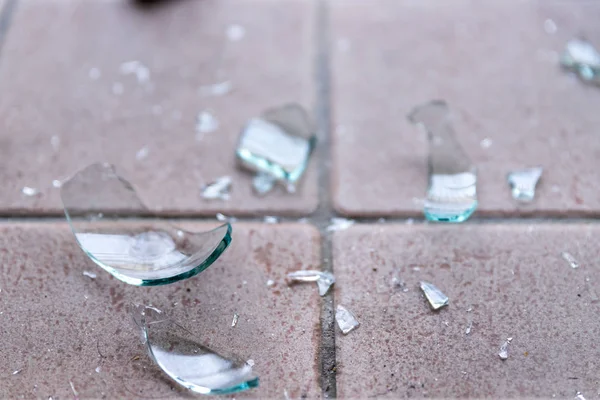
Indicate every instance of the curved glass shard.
{"type": "Point", "coordinates": [434, 296]}
{"type": "Point", "coordinates": [523, 182]}
{"type": "Point", "coordinates": [324, 279]}
{"type": "Point", "coordinates": [345, 319]}
{"type": "Point", "coordinates": [279, 144]}
{"type": "Point", "coordinates": [147, 253]}
{"type": "Point", "coordinates": [581, 57]}
{"type": "Point", "coordinates": [452, 191]}
{"type": "Point", "coordinates": [179, 354]}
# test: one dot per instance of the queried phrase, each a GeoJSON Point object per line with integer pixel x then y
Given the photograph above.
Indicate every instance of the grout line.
{"type": "Point", "coordinates": [324, 212]}
{"type": "Point", "coordinates": [6, 14]}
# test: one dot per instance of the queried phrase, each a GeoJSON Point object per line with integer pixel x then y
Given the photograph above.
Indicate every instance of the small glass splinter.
{"type": "Point", "coordinates": [582, 58]}
{"type": "Point", "coordinates": [143, 254]}
{"type": "Point", "coordinates": [277, 144]}
{"type": "Point", "coordinates": [523, 182]}
{"type": "Point", "coordinates": [452, 194]}
{"type": "Point", "coordinates": [503, 353]}
{"type": "Point", "coordinates": [324, 279]}
{"type": "Point", "coordinates": [345, 319]}
{"type": "Point", "coordinates": [434, 296]}
{"type": "Point", "coordinates": [178, 353]}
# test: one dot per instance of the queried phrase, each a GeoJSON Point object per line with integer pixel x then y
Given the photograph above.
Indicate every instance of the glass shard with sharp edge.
{"type": "Point", "coordinates": [143, 254]}
{"type": "Point", "coordinates": [523, 182]}
{"type": "Point", "coordinates": [452, 191]}
{"type": "Point", "coordinates": [570, 259]}
{"type": "Point", "coordinates": [434, 296]}
{"type": "Point", "coordinates": [503, 353]}
{"type": "Point", "coordinates": [345, 319]}
{"type": "Point", "coordinates": [324, 279]}
{"type": "Point", "coordinates": [581, 57]}
{"type": "Point", "coordinates": [218, 189]}
{"type": "Point", "coordinates": [180, 355]}
{"type": "Point", "coordinates": [278, 143]}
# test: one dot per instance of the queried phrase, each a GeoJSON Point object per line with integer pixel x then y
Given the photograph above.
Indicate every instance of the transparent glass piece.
{"type": "Point", "coordinates": [146, 253]}
{"type": "Point", "coordinates": [452, 194]}
{"type": "Point", "coordinates": [218, 189]}
{"type": "Point", "coordinates": [345, 319]}
{"type": "Point", "coordinates": [278, 143]}
{"type": "Point", "coordinates": [263, 183]}
{"type": "Point", "coordinates": [581, 57]}
{"type": "Point", "coordinates": [180, 355]}
{"type": "Point", "coordinates": [434, 296]}
{"type": "Point", "coordinates": [503, 353]}
{"type": "Point", "coordinates": [579, 396]}
{"type": "Point", "coordinates": [324, 279]}
{"type": "Point", "coordinates": [523, 182]}
{"type": "Point", "coordinates": [340, 224]}
{"type": "Point", "coordinates": [570, 259]}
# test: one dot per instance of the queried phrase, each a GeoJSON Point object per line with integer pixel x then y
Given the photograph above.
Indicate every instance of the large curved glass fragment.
{"type": "Point", "coordinates": [277, 146]}
{"type": "Point", "coordinates": [452, 191]}
{"type": "Point", "coordinates": [178, 353]}
{"type": "Point", "coordinates": [143, 253]}
{"type": "Point", "coordinates": [582, 57]}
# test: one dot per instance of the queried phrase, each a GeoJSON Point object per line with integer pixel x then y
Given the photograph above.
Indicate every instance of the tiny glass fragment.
{"type": "Point", "coordinates": [452, 191]}
{"type": "Point", "coordinates": [142, 153]}
{"type": "Point", "coordinates": [324, 279]}
{"type": "Point", "coordinates": [181, 356]}
{"type": "Point", "coordinates": [570, 259]}
{"type": "Point", "coordinates": [345, 319]}
{"type": "Point", "coordinates": [56, 183]}
{"type": "Point", "coordinates": [235, 320]}
{"type": "Point", "coordinates": [206, 123]}
{"type": "Point", "coordinates": [90, 275]}
{"type": "Point", "coordinates": [218, 189]}
{"type": "Point", "coordinates": [340, 224]}
{"type": "Point", "coordinates": [270, 220]}
{"type": "Point", "coordinates": [579, 396]}
{"type": "Point", "coordinates": [522, 183]}
{"type": "Point", "coordinates": [503, 353]}
{"type": "Point", "coordinates": [434, 296]}
{"type": "Point", "coordinates": [141, 72]}
{"type": "Point", "coordinates": [216, 89]}
{"type": "Point", "coordinates": [29, 191]}
{"type": "Point", "coordinates": [263, 183]}
{"type": "Point", "coordinates": [581, 57]}
{"type": "Point", "coordinates": [469, 327]}
{"type": "Point", "coordinates": [144, 254]}
{"type": "Point", "coordinates": [278, 143]}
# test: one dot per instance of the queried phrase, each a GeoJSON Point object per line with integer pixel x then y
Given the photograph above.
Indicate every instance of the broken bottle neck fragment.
{"type": "Point", "coordinates": [451, 195]}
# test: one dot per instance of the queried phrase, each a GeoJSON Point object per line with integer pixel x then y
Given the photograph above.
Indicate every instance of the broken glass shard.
{"type": "Point", "coordinates": [452, 191]}
{"type": "Point", "coordinates": [570, 259]}
{"type": "Point", "coordinates": [279, 144]}
{"type": "Point", "coordinates": [205, 123]}
{"type": "Point", "coordinates": [235, 320]}
{"type": "Point", "coordinates": [436, 298]}
{"type": "Point", "coordinates": [181, 356]}
{"type": "Point", "coordinates": [345, 319]}
{"type": "Point", "coordinates": [147, 253]}
{"type": "Point", "coordinates": [29, 191]}
{"type": "Point", "coordinates": [503, 353]}
{"type": "Point", "coordinates": [324, 279]}
{"type": "Point", "coordinates": [522, 183]}
{"type": "Point", "coordinates": [340, 224]}
{"type": "Point", "coordinates": [218, 189]}
{"type": "Point", "coordinates": [579, 396]}
{"type": "Point", "coordinates": [216, 89]}
{"type": "Point", "coordinates": [263, 183]}
{"type": "Point", "coordinates": [581, 57]}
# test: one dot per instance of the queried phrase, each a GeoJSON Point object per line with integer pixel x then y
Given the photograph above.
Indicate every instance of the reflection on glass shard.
{"type": "Point", "coordinates": [570, 259]}
{"type": "Point", "coordinates": [90, 275]}
{"type": "Point", "coordinates": [503, 353]}
{"type": "Point", "coordinates": [345, 319]}
{"type": "Point", "coordinates": [523, 182]}
{"type": "Point", "coordinates": [469, 327]}
{"type": "Point", "coordinates": [582, 57]}
{"type": "Point", "coordinates": [340, 224]}
{"type": "Point", "coordinates": [324, 279]}
{"type": "Point", "coordinates": [143, 254]}
{"type": "Point", "coordinates": [179, 354]}
{"type": "Point", "coordinates": [278, 143]}
{"type": "Point", "coordinates": [579, 396]}
{"type": "Point", "coordinates": [56, 183]}
{"type": "Point", "coordinates": [29, 191]}
{"type": "Point", "coordinates": [235, 320]}
{"type": "Point", "coordinates": [263, 183]}
{"type": "Point", "coordinates": [218, 189]}
{"type": "Point", "coordinates": [452, 194]}
{"type": "Point", "coordinates": [436, 298]}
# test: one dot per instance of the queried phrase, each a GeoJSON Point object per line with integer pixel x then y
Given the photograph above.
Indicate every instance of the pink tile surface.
{"type": "Point", "coordinates": [58, 326]}
{"type": "Point", "coordinates": [497, 68]}
{"type": "Point", "coordinates": [516, 284]}
{"type": "Point", "coordinates": [47, 91]}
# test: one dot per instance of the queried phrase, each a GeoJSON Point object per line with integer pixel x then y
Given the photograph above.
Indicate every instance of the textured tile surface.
{"type": "Point", "coordinates": [515, 283]}
{"type": "Point", "coordinates": [496, 66]}
{"type": "Point", "coordinates": [48, 89]}
{"type": "Point", "coordinates": [59, 326]}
